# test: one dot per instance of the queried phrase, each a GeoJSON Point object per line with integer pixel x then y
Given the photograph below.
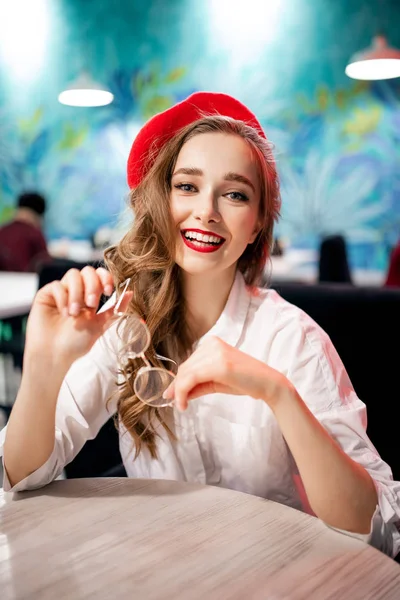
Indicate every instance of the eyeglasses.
{"type": "Point", "coordinates": [150, 382]}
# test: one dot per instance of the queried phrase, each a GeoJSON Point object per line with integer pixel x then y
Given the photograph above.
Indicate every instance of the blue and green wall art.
{"type": "Point", "coordinates": [336, 140]}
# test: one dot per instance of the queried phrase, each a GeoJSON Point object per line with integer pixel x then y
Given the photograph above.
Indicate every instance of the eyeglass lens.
{"type": "Point", "coordinates": [151, 383]}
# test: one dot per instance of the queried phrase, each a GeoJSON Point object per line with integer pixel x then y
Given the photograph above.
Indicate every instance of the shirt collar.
{"type": "Point", "coordinates": [231, 322]}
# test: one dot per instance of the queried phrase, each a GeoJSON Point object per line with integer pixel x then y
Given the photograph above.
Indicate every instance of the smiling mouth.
{"type": "Point", "coordinates": [202, 242]}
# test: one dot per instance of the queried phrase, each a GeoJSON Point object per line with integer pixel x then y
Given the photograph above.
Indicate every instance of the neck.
{"type": "Point", "coordinates": [28, 216]}
{"type": "Point", "coordinates": [205, 298]}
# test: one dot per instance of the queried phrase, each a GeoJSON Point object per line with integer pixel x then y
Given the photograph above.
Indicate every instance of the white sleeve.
{"type": "Point", "coordinates": [317, 372]}
{"type": "Point", "coordinates": [82, 409]}
{"type": "Point", "coordinates": [348, 428]}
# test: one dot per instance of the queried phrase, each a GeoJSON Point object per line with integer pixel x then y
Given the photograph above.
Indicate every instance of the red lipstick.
{"type": "Point", "coordinates": [199, 246]}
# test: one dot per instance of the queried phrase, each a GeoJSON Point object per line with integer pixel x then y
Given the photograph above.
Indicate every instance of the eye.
{"type": "Point", "coordinates": [238, 196]}
{"type": "Point", "coordinates": [185, 187]}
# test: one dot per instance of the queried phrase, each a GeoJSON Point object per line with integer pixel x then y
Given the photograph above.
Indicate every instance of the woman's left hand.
{"type": "Point", "coordinates": [217, 367]}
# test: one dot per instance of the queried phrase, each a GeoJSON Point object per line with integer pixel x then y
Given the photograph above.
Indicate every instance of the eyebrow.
{"type": "Point", "coordinates": [239, 178]}
{"type": "Point", "coordinates": [228, 176]}
{"type": "Point", "coordinates": [189, 171]}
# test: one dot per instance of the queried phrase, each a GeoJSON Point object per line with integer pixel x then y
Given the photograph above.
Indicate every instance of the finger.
{"type": "Point", "coordinates": [198, 363]}
{"type": "Point", "coordinates": [93, 287]}
{"type": "Point", "coordinates": [195, 364]}
{"type": "Point", "coordinates": [54, 294]}
{"type": "Point", "coordinates": [183, 386]}
{"type": "Point", "coordinates": [169, 393]}
{"type": "Point", "coordinates": [209, 387]}
{"type": "Point", "coordinates": [207, 350]}
{"type": "Point", "coordinates": [60, 296]}
{"type": "Point", "coordinates": [73, 283]}
{"type": "Point", "coordinates": [106, 280]}
{"type": "Point", "coordinates": [194, 361]}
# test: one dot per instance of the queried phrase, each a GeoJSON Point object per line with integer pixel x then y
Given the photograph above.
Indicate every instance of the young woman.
{"type": "Point", "coordinates": [261, 402]}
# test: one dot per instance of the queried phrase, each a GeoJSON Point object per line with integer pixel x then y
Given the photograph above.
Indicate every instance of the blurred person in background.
{"type": "Point", "coordinates": [393, 273]}
{"type": "Point", "coordinates": [22, 243]}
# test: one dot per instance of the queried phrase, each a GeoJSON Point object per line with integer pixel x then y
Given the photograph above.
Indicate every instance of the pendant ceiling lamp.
{"type": "Point", "coordinates": [380, 61]}
{"type": "Point", "coordinates": [84, 91]}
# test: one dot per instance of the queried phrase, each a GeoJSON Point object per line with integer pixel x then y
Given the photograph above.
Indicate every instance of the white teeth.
{"type": "Point", "coordinates": [194, 235]}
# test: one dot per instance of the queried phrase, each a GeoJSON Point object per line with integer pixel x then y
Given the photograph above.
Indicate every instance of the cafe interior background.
{"type": "Point", "coordinates": [336, 138]}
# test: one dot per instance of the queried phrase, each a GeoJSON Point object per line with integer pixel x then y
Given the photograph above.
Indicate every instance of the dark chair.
{"type": "Point", "coordinates": [57, 268]}
{"type": "Point", "coordinates": [333, 264]}
{"type": "Point", "coordinates": [364, 325]}
{"type": "Point", "coordinates": [99, 457]}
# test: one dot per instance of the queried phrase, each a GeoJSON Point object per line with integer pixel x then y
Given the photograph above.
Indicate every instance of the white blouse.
{"type": "Point", "coordinates": [233, 441]}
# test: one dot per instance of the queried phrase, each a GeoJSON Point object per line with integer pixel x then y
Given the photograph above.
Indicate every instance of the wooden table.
{"type": "Point", "coordinates": [126, 538]}
{"type": "Point", "coordinates": [17, 293]}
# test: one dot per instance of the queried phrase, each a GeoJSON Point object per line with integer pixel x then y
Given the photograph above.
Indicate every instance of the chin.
{"type": "Point", "coordinates": [196, 268]}
{"type": "Point", "coordinates": [199, 266]}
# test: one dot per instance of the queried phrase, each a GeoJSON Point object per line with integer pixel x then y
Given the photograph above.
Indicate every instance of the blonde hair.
{"type": "Point", "coordinates": [146, 255]}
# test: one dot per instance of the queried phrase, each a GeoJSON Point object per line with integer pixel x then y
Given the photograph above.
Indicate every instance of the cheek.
{"type": "Point", "coordinates": [242, 226]}
{"type": "Point", "coordinates": [178, 210]}
{"type": "Point", "coordinates": [174, 211]}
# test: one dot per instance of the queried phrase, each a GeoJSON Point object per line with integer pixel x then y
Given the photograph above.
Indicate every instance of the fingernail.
{"type": "Point", "coordinates": [108, 290]}
{"type": "Point", "coordinates": [91, 301]}
{"type": "Point", "coordinates": [74, 309]}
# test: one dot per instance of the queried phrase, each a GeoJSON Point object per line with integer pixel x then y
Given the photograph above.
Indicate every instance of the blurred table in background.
{"type": "Point", "coordinates": [78, 250]}
{"type": "Point", "coordinates": [302, 266]}
{"type": "Point", "coordinates": [17, 291]}
{"type": "Point", "coordinates": [294, 265]}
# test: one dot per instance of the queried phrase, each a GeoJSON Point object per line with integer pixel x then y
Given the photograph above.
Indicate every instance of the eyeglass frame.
{"type": "Point", "coordinates": [148, 366]}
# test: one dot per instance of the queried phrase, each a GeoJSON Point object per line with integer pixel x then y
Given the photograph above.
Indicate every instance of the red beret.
{"type": "Point", "coordinates": [163, 126]}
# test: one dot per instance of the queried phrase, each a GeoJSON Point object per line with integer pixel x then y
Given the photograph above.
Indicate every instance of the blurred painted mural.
{"type": "Point", "coordinates": [337, 141]}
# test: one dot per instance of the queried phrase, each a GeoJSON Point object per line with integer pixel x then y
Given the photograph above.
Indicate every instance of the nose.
{"type": "Point", "coordinates": [206, 209]}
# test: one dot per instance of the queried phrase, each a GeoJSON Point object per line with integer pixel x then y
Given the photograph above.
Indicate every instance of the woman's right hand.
{"type": "Point", "coordinates": [63, 323]}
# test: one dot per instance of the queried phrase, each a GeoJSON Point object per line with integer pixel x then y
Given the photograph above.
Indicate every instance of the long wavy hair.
{"type": "Point", "coordinates": [146, 255]}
